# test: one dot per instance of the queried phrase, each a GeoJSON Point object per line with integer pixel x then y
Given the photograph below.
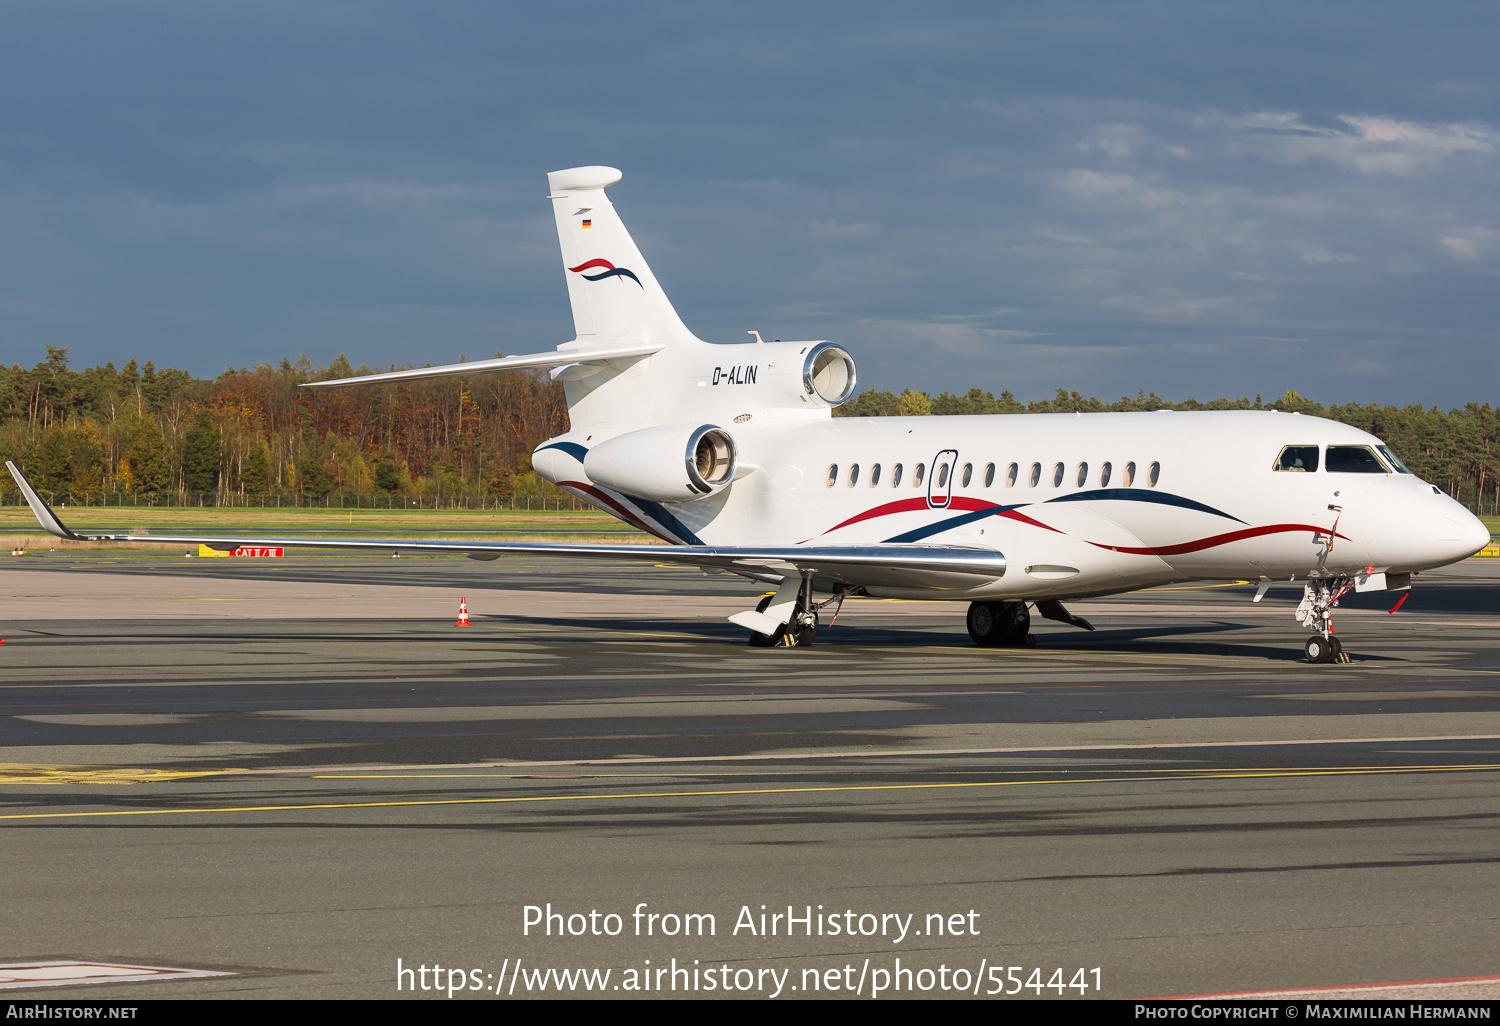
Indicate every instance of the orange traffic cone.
{"type": "Point", "coordinates": [463, 613]}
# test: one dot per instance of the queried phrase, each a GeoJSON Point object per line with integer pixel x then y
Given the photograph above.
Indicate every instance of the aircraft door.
{"type": "Point", "coordinates": [940, 482]}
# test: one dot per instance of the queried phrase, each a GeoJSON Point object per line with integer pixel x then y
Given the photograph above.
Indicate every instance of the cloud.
{"type": "Point", "coordinates": [1468, 244]}
{"type": "Point", "coordinates": [1086, 184]}
{"type": "Point", "coordinates": [1368, 145]}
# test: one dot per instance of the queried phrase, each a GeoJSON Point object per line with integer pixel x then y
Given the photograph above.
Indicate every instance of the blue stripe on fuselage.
{"type": "Point", "coordinates": [1141, 495]}
{"type": "Point", "coordinates": [573, 449]}
{"type": "Point", "coordinates": [1118, 494]}
{"type": "Point", "coordinates": [667, 520]}
{"type": "Point", "coordinates": [947, 525]}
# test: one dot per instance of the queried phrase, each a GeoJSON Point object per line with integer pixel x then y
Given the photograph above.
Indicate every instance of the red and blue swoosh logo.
{"type": "Point", "coordinates": [609, 271]}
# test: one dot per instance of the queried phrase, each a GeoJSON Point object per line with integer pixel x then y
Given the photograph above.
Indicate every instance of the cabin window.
{"type": "Point", "coordinates": [833, 475]}
{"type": "Point", "coordinates": [989, 474]}
{"type": "Point", "coordinates": [895, 475]}
{"type": "Point", "coordinates": [853, 474]}
{"type": "Point", "coordinates": [1057, 475]}
{"type": "Point", "coordinates": [1393, 459]}
{"type": "Point", "coordinates": [1036, 474]}
{"type": "Point", "coordinates": [1298, 459]}
{"type": "Point", "coordinates": [1011, 473]}
{"type": "Point", "coordinates": [1154, 475]}
{"type": "Point", "coordinates": [1353, 459]}
{"type": "Point", "coordinates": [875, 475]}
{"type": "Point", "coordinates": [1104, 472]}
{"type": "Point", "coordinates": [968, 473]}
{"type": "Point", "coordinates": [1083, 474]}
{"type": "Point", "coordinates": [942, 475]}
{"type": "Point", "coordinates": [1129, 474]}
{"type": "Point", "coordinates": [916, 475]}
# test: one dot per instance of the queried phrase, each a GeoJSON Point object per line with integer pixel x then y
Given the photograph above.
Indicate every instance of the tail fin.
{"type": "Point", "coordinates": [615, 297]}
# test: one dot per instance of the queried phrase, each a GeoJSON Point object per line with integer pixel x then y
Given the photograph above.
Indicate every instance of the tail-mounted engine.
{"type": "Point", "coordinates": [675, 463]}
{"type": "Point", "coordinates": [828, 374]}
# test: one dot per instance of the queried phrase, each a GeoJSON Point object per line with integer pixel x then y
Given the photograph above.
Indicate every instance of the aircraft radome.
{"type": "Point", "coordinates": [731, 454]}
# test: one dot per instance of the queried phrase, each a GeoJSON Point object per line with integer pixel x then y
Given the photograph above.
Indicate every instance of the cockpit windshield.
{"type": "Point", "coordinates": [1298, 459]}
{"type": "Point", "coordinates": [1394, 460]}
{"type": "Point", "coordinates": [1354, 459]}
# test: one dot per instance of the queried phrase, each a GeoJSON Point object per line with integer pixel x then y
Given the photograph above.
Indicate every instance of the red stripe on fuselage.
{"type": "Point", "coordinates": [1011, 514]}
{"type": "Point", "coordinates": [911, 506]}
{"type": "Point", "coordinates": [619, 510]}
{"type": "Point", "coordinates": [1218, 539]}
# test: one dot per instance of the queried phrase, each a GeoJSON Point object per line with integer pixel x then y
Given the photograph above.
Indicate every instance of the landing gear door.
{"type": "Point", "coordinates": [940, 481]}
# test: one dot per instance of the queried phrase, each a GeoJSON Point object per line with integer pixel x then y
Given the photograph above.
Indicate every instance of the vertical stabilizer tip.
{"type": "Point", "coordinates": [582, 179]}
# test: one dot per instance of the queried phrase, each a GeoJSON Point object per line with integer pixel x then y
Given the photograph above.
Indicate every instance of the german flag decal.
{"type": "Point", "coordinates": [588, 223]}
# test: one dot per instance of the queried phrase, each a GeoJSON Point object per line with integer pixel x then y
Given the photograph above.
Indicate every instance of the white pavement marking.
{"type": "Point", "coordinates": [70, 973]}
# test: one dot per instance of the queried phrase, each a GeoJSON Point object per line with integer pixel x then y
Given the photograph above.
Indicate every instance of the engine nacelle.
{"type": "Point", "coordinates": [675, 463]}
{"type": "Point", "coordinates": [828, 375]}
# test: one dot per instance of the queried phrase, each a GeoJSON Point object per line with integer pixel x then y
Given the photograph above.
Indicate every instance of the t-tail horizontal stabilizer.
{"type": "Point", "coordinates": [593, 353]}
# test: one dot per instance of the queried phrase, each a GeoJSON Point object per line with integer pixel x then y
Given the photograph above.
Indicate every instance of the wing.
{"type": "Point", "coordinates": [937, 568]}
{"type": "Point", "coordinates": [563, 357]}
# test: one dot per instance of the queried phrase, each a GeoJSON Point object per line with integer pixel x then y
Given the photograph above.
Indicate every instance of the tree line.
{"type": "Point", "coordinates": [164, 434]}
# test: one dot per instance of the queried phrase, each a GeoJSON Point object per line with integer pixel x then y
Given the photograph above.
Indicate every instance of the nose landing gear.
{"type": "Point", "coordinates": [1316, 613]}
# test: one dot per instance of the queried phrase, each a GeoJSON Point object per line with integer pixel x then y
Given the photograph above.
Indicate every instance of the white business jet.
{"type": "Point", "coordinates": [731, 454]}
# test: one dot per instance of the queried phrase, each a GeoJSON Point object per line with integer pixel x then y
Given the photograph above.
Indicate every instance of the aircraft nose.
{"type": "Point", "coordinates": [1473, 535]}
{"type": "Point", "coordinates": [1410, 525]}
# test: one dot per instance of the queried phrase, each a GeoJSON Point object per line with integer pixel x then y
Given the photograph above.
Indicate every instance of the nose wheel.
{"type": "Point", "coordinates": [1324, 650]}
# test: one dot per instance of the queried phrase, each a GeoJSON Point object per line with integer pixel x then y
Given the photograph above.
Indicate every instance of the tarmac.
{"type": "Point", "coordinates": [297, 772]}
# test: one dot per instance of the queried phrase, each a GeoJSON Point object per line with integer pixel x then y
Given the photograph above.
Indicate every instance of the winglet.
{"type": "Point", "coordinates": [44, 514]}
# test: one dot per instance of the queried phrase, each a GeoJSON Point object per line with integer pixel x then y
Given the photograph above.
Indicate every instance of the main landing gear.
{"type": "Point", "coordinates": [1316, 613]}
{"type": "Point", "coordinates": [1000, 624]}
{"type": "Point", "coordinates": [802, 628]}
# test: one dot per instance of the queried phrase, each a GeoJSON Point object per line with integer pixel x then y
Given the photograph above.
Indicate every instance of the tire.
{"type": "Point", "coordinates": [784, 636]}
{"type": "Point", "coordinates": [1319, 649]}
{"type": "Point", "coordinates": [994, 624]}
{"type": "Point", "coordinates": [759, 640]}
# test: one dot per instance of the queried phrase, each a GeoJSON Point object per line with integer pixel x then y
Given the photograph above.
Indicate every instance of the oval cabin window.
{"type": "Point", "coordinates": [1083, 474]}
{"type": "Point", "coordinates": [1057, 475]}
{"type": "Point", "coordinates": [1104, 472]}
{"type": "Point", "coordinates": [1154, 476]}
{"type": "Point", "coordinates": [875, 475]}
{"type": "Point", "coordinates": [853, 474]}
{"type": "Point", "coordinates": [989, 474]}
{"type": "Point", "coordinates": [1011, 473]}
{"type": "Point", "coordinates": [895, 475]}
{"type": "Point", "coordinates": [1129, 475]}
{"type": "Point", "coordinates": [918, 474]}
{"type": "Point", "coordinates": [833, 475]}
{"type": "Point", "coordinates": [1036, 474]}
{"type": "Point", "coordinates": [968, 473]}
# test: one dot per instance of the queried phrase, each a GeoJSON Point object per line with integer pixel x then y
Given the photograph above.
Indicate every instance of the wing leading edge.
{"type": "Point", "coordinates": [937, 567]}
{"type": "Point", "coordinates": [559, 358]}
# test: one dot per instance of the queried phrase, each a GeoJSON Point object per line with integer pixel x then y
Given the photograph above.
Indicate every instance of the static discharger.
{"type": "Point", "coordinates": [463, 613]}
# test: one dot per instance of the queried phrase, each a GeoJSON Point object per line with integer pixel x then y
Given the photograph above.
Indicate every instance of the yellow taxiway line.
{"type": "Point", "coordinates": [1227, 775]}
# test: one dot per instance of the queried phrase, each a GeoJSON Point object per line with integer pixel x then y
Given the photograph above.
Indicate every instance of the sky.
{"type": "Point", "coordinates": [1200, 199]}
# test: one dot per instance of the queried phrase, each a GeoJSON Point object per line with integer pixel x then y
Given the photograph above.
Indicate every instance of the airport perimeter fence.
{"type": "Point", "coordinates": [292, 500]}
